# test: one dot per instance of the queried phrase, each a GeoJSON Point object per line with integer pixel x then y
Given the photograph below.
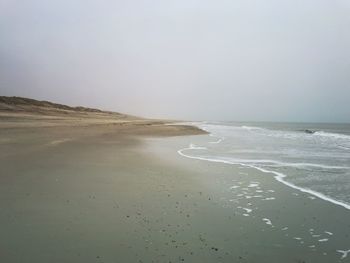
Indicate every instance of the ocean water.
{"type": "Point", "coordinates": [312, 158]}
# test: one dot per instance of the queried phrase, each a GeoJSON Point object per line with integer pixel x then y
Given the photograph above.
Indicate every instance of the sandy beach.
{"type": "Point", "coordinates": [174, 131]}
{"type": "Point", "coordinates": [119, 191]}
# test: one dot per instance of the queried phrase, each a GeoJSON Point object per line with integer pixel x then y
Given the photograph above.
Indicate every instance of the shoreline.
{"type": "Point", "coordinates": [256, 178]}
{"type": "Point", "coordinates": [277, 175]}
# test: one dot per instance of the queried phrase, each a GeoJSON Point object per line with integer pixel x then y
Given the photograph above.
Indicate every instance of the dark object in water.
{"type": "Point", "coordinates": [309, 131]}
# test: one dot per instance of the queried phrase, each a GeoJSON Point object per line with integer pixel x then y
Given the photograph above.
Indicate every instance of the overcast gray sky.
{"type": "Point", "coordinates": [213, 60]}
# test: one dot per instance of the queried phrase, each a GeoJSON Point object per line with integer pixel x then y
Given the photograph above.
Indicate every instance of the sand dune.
{"type": "Point", "coordinates": [17, 112]}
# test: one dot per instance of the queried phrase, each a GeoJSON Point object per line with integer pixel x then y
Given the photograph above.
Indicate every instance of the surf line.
{"type": "Point", "coordinates": [278, 176]}
{"type": "Point", "coordinates": [220, 139]}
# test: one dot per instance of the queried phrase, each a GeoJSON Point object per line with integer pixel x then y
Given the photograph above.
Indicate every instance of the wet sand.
{"type": "Point", "coordinates": [122, 193]}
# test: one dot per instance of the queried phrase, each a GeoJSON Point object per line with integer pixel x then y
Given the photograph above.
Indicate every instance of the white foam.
{"type": "Point", "coordinates": [280, 177]}
{"type": "Point", "coordinates": [286, 134]}
{"type": "Point", "coordinates": [344, 253]}
{"type": "Point", "coordinates": [253, 185]}
{"type": "Point", "coordinates": [285, 228]}
{"type": "Point", "coordinates": [277, 175]}
{"type": "Point", "coordinates": [332, 135]}
{"type": "Point", "coordinates": [248, 210]}
{"type": "Point", "coordinates": [329, 233]}
{"type": "Point", "coordinates": [267, 221]}
{"type": "Point", "coordinates": [194, 147]}
{"type": "Point", "coordinates": [305, 165]}
{"type": "Point", "coordinates": [323, 240]}
{"type": "Point", "coordinates": [275, 163]}
{"type": "Point", "coordinates": [343, 147]}
{"type": "Point", "coordinates": [251, 128]}
{"type": "Point", "coordinates": [218, 141]}
{"type": "Point", "coordinates": [269, 198]}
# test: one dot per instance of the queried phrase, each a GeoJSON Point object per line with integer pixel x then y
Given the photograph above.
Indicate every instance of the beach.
{"type": "Point", "coordinates": [123, 193]}
{"type": "Point", "coordinates": [174, 131]}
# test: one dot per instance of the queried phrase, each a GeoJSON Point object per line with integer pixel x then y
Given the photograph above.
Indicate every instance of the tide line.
{"type": "Point", "coordinates": [278, 176]}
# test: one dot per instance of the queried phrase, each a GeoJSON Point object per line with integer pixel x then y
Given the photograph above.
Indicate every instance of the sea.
{"type": "Point", "coordinates": [309, 157]}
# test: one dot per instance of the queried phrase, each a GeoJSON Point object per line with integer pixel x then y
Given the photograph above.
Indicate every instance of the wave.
{"type": "Point", "coordinates": [332, 135]}
{"type": "Point", "coordinates": [277, 175]}
{"type": "Point", "coordinates": [295, 134]}
{"type": "Point", "coordinates": [286, 134]}
{"type": "Point", "coordinates": [284, 164]}
{"type": "Point", "coordinates": [343, 147]}
{"type": "Point", "coordinates": [280, 177]}
{"type": "Point", "coordinates": [252, 128]}
{"type": "Point", "coordinates": [218, 141]}
{"type": "Point", "coordinates": [194, 147]}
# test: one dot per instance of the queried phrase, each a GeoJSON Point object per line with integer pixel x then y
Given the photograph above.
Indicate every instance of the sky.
{"type": "Point", "coordinates": [253, 60]}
